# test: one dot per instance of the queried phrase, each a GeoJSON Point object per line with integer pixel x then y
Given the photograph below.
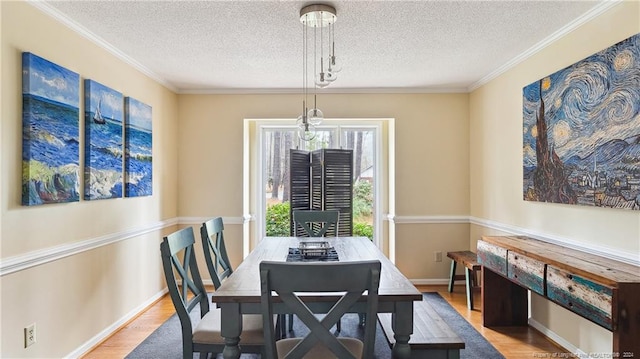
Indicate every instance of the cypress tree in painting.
{"type": "Point", "coordinates": [549, 179]}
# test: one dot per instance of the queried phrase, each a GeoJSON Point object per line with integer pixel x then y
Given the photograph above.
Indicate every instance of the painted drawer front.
{"type": "Point", "coordinates": [526, 271]}
{"type": "Point", "coordinates": [492, 257]}
{"type": "Point", "coordinates": [582, 296]}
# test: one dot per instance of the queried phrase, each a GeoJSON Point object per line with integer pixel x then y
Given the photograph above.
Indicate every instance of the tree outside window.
{"type": "Point", "coordinates": [277, 143]}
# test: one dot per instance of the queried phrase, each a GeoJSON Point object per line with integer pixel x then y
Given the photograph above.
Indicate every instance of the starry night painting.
{"type": "Point", "coordinates": [50, 132]}
{"type": "Point", "coordinates": [582, 131]}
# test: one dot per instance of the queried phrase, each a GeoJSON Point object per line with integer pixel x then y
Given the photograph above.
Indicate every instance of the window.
{"type": "Point", "coordinates": [268, 180]}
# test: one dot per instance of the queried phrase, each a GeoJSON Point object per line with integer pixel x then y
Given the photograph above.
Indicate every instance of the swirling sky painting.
{"type": "Point", "coordinates": [581, 131]}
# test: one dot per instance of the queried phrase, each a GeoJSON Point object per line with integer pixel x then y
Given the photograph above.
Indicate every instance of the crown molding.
{"type": "Point", "coordinates": [589, 15]}
{"type": "Point", "coordinates": [62, 18]}
{"type": "Point", "coordinates": [84, 32]}
{"type": "Point", "coordinates": [327, 91]}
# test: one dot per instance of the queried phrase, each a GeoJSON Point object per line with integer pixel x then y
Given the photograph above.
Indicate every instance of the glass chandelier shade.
{"type": "Point", "coordinates": [315, 116]}
{"type": "Point", "coordinates": [306, 130]}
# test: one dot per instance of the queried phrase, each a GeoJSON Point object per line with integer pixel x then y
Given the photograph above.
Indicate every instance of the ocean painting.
{"type": "Point", "coordinates": [582, 131]}
{"type": "Point", "coordinates": [138, 148]}
{"type": "Point", "coordinates": [103, 141]}
{"type": "Point", "coordinates": [50, 132]}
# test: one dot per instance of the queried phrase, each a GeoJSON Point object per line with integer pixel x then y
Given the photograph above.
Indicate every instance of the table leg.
{"type": "Point", "coordinates": [402, 325]}
{"type": "Point", "coordinates": [231, 327]}
{"type": "Point", "coordinates": [504, 303]}
{"type": "Point", "coordinates": [468, 277]}
{"type": "Point", "coordinates": [452, 275]}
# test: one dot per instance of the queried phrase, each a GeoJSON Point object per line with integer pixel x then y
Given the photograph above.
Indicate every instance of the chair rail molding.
{"type": "Point", "coordinates": [34, 258]}
{"type": "Point", "coordinates": [31, 259]}
{"type": "Point", "coordinates": [591, 248]}
{"type": "Point", "coordinates": [429, 219]}
{"type": "Point", "coordinates": [200, 220]}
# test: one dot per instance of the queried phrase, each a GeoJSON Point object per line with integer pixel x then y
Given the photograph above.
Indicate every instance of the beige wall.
{"type": "Point", "coordinates": [73, 299]}
{"type": "Point", "coordinates": [456, 155]}
{"type": "Point", "coordinates": [496, 167]}
{"type": "Point", "coordinates": [431, 144]}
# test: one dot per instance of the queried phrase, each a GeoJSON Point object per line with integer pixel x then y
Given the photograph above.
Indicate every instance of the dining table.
{"type": "Point", "coordinates": [240, 293]}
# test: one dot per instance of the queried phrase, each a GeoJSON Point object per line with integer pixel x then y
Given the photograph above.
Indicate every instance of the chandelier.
{"type": "Point", "coordinates": [320, 19]}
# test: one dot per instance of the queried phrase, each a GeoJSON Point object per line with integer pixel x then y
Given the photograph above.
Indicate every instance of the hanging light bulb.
{"type": "Point", "coordinates": [321, 80]}
{"type": "Point", "coordinates": [315, 116]}
{"type": "Point", "coordinates": [315, 16]}
{"type": "Point", "coordinates": [306, 131]}
{"type": "Point", "coordinates": [335, 66]}
{"type": "Point", "coordinates": [331, 75]}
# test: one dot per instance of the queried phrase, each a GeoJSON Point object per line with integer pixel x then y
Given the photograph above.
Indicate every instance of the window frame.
{"type": "Point", "coordinates": [254, 200]}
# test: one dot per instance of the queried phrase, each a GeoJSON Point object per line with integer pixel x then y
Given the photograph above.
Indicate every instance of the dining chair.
{"type": "Point", "coordinates": [215, 251]}
{"type": "Point", "coordinates": [317, 223]}
{"type": "Point", "coordinates": [215, 255]}
{"type": "Point", "coordinates": [290, 283]}
{"type": "Point", "coordinates": [187, 292]}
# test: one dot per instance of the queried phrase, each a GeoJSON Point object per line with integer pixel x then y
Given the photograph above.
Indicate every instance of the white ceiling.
{"type": "Point", "coordinates": [256, 46]}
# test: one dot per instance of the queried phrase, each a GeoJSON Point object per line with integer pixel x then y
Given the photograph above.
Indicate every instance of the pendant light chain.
{"type": "Point", "coordinates": [304, 69]}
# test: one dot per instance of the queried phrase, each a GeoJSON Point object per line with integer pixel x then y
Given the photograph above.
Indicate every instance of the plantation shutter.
{"type": "Point", "coordinates": [299, 183]}
{"type": "Point", "coordinates": [328, 175]}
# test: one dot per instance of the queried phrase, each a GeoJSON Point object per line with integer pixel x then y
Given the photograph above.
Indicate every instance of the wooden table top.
{"type": "Point", "coordinates": [604, 270]}
{"type": "Point", "coordinates": [244, 285]}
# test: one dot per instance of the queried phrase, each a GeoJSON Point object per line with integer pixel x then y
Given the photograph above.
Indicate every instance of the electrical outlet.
{"type": "Point", "coordinates": [30, 335]}
{"type": "Point", "coordinates": [437, 256]}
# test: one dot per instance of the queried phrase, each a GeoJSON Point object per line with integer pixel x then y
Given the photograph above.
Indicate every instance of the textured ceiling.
{"type": "Point", "coordinates": [256, 46]}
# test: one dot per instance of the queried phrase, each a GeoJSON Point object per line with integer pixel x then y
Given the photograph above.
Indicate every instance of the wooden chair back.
{"type": "Point", "coordinates": [290, 280]}
{"type": "Point", "coordinates": [215, 252]}
{"type": "Point", "coordinates": [179, 265]}
{"type": "Point", "coordinates": [317, 223]}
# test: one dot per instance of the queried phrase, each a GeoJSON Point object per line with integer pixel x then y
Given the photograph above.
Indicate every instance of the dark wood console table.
{"type": "Point", "coordinates": [602, 290]}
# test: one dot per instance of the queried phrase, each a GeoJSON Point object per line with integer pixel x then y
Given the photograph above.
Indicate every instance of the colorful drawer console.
{"type": "Point", "coordinates": [602, 290]}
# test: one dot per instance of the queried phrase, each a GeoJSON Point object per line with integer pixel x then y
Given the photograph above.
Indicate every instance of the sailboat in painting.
{"type": "Point", "coordinates": [97, 116]}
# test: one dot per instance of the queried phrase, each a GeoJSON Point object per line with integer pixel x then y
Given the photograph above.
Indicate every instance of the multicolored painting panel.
{"type": "Point", "coordinates": [138, 149]}
{"type": "Point", "coordinates": [50, 132]}
{"type": "Point", "coordinates": [103, 141]}
{"type": "Point", "coordinates": [582, 131]}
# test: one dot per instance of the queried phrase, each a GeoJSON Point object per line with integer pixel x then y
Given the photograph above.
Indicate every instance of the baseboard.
{"type": "Point", "coordinates": [443, 281]}
{"type": "Point", "coordinates": [110, 330]}
{"type": "Point", "coordinates": [570, 348]}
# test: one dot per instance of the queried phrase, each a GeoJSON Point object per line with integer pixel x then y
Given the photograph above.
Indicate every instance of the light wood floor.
{"type": "Point", "coordinates": [512, 342]}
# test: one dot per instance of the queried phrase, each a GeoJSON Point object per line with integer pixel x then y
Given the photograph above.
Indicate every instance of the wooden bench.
{"type": "Point", "coordinates": [431, 338]}
{"type": "Point", "coordinates": [470, 261]}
